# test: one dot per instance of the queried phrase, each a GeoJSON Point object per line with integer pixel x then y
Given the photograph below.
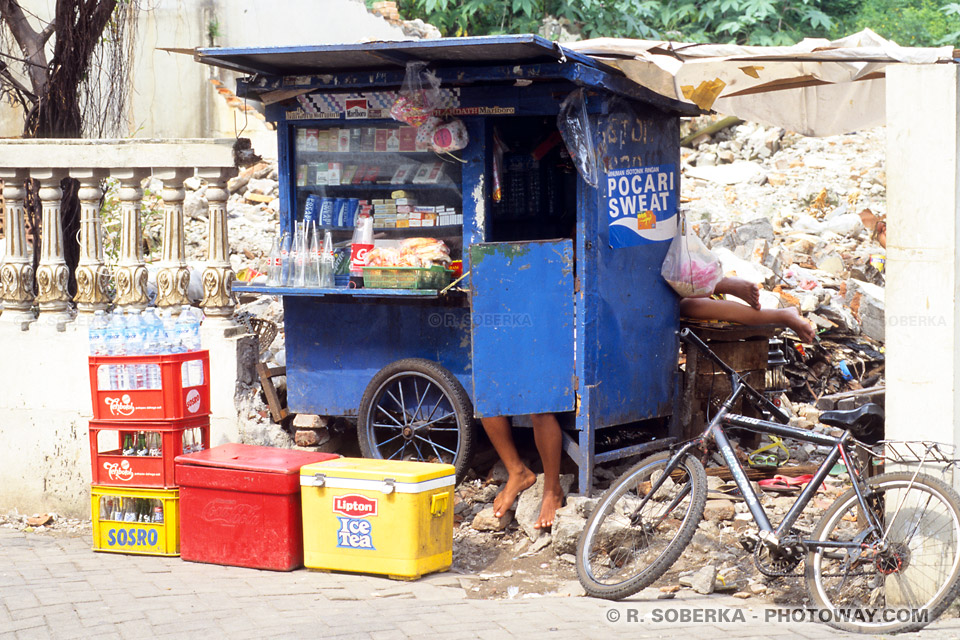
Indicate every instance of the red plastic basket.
{"type": "Point", "coordinates": [111, 467]}
{"type": "Point", "coordinates": [172, 401]}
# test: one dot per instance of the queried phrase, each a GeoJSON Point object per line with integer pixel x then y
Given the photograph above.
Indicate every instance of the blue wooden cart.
{"type": "Point", "coordinates": [563, 310]}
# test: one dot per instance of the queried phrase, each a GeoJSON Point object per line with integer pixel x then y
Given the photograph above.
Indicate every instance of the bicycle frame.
{"type": "Point", "coordinates": [725, 418]}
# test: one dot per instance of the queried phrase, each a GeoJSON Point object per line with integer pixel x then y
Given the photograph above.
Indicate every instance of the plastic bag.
{"type": "Point", "coordinates": [449, 136]}
{"type": "Point", "coordinates": [419, 95]}
{"type": "Point", "coordinates": [574, 125]}
{"type": "Point", "coordinates": [689, 267]}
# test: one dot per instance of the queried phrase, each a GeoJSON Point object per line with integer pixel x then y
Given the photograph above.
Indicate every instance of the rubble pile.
{"type": "Point", "coordinates": [804, 217]}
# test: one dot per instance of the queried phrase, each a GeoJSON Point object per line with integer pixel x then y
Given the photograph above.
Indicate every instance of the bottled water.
{"type": "Point", "coordinates": [171, 339]}
{"type": "Point", "coordinates": [188, 332]}
{"type": "Point", "coordinates": [116, 346]}
{"type": "Point", "coordinates": [154, 344]}
{"type": "Point", "coordinates": [98, 346]}
{"type": "Point", "coordinates": [136, 338]}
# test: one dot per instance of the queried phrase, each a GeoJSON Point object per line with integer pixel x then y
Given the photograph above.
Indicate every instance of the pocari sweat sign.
{"type": "Point", "coordinates": [642, 205]}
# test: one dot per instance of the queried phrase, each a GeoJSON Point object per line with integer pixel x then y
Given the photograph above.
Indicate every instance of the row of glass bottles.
{"type": "Point", "coordinates": [121, 509]}
{"type": "Point", "coordinates": [150, 443]}
{"type": "Point", "coordinates": [132, 333]}
{"type": "Point", "coordinates": [302, 261]}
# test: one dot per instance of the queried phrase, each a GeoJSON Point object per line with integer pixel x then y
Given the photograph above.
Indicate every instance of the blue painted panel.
{"type": "Point", "coordinates": [522, 300]}
{"type": "Point", "coordinates": [631, 314]}
{"type": "Point", "coordinates": [334, 348]}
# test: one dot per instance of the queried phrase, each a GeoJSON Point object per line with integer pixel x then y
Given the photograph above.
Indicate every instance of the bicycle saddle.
{"type": "Point", "coordinates": [865, 423]}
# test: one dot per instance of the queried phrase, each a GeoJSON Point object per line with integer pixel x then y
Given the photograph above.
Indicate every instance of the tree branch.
{"type": "Point", "coordinates": [30, 45]}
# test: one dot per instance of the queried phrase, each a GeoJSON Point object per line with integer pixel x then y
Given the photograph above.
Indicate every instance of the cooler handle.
{"type": "Point", "coordinates": [389, 486]}
{"type": "Point", "coordinates": [438, 503]}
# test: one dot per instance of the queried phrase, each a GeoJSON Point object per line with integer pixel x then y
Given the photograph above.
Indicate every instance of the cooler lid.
{"type": "Point", "coordinates": [379, 470]}
{"type": "Point", "coordinates": [248, 457]}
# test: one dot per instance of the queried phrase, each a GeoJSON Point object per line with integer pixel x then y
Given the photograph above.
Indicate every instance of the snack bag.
{"type": "Point", "coordinates": [449, 136]}
{"type": "Point", "coordinates": [689, 267]}
{"type": "Point", "coordinates": [418, 97]}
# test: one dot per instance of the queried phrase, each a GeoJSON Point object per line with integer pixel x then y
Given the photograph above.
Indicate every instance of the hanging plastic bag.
{"type": "Point", "coordinates": [689, 267]}
{"type": "Point", "coordinates": [449, 136]}
{"type": "Point", "coordinates": [574, 125]}
{"type": "Point", "coordinates": [419, 95]}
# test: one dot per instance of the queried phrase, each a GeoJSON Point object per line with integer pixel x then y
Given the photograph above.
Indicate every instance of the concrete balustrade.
{"type": "Point", "coordinates": [90, 162]}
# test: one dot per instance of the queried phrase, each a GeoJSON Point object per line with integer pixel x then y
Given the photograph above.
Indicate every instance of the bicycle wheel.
{"type": "Point", "coordinates": [628, 542]}
{"type": "Point", "coordinates": [894, 582]}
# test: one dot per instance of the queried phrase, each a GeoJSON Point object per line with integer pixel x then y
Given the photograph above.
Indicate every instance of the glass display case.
{"type": "Point", "coordinates": [379, 169]}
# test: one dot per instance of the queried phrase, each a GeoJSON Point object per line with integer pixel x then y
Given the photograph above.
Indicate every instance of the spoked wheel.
{"type": "Point", "coordinates": [414, 409]}
{"type": "Point", "coordinates": [630, 541]}
{"type": "Point", "coordinates": [900, 580]}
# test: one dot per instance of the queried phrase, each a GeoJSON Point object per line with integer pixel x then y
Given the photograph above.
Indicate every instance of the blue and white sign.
{"type": "Point", "coordinates": [642, 205]}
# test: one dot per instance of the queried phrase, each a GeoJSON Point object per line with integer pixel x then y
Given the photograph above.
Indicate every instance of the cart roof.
{"type": "Point", "coordinates": [372, 56]}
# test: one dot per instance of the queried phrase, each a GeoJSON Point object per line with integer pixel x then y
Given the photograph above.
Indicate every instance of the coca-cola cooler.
{"type": "Point", "coordinates": [240, 506]}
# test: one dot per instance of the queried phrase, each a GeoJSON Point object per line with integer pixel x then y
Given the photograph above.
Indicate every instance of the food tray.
{"type": "Point", "coordinates": [435, 277]}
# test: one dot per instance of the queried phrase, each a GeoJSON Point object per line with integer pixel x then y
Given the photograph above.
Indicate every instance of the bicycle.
{"type": "Point", "coordinates": [884, 557]}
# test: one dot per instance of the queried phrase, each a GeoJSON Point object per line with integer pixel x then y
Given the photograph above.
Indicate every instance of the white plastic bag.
{"type": "Point", "coordinates": [689, 267]}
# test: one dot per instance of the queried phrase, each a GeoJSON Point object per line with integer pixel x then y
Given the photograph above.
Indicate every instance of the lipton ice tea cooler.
{"type": "Point", "coordinates": [378, 516]}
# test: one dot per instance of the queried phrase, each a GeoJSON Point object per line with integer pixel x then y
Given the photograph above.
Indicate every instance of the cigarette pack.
{"type": "Point", "coordinates": [333, 172]}
{"type": "Point", "coordinates": [408, 139]}
{"type": "Point", "coordinates": [323, 140]}
{"type": "Point", "coordinates": [321, 177]}
{"type": "Point", "coordinates": [393, 141]}
{"type": "Point", "coordinates": [311, 140]}
{"type": "Point", "coordinates": [368, 138]}
{"type": "Point", "coordinates": [371, 174]}
{"type": "Point", "coordinates": [380, 140]}
{"type": "Point", "coordinates": [360, 173]}
{"type": "Point", "coordinates": [348, 173]}
{"type": "Point", "coordinates": [356, 136]}
{"type": "Point", "coordinates": [302, 140]}
{"type": "Point", "coordinates": [302, 175]}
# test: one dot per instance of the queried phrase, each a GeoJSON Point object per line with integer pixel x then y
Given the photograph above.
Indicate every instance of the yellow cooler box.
{"type": "Point", "coordinates": [377, 516]}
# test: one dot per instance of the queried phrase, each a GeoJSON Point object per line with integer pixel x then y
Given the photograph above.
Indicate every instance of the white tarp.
{"type": "Point", "coordinates": [817, 87]}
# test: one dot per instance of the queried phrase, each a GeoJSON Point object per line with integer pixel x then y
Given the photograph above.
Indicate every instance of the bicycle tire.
{"type": "Point", "coordinates": [921, 516]}
{"type": "Point", "coordinates": [611, 537]}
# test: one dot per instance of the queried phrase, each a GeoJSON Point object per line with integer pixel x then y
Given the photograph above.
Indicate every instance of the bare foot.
{"type": "Point", "coordinates": [552, 500]}
{"type": "Point", "coordinates": [803, 327]}
{"type": "Point", "coordinates": [516, 482]}
{"type": "Point", "coordinates": [747, 291]}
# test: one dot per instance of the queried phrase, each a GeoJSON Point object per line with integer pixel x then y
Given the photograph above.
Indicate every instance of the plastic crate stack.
{"type": "Point", "coordinates": [147, 410]}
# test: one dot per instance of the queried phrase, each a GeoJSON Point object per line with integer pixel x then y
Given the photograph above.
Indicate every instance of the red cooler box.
{"type": "Point", "coordinates": [240, 505]}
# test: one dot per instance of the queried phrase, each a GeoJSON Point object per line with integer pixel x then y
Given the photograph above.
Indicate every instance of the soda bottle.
{"type": "Point", "coordinates": [106, 508]}
{"type": "Point", "coordinates": [130, 509]}
{"type": "Point", "coordinates": [154, 444]}
{"type": "Point", "coordinates": [298, 257]}
{"type": "Point", "coordinates": [157, 512]}
{"type": "Point", "coordinates": [274, 264]}
{"type": "Point", "coordinates": [360, 244]}
{"type": "Point", "coordinates": [128, 449]}
{"type": "Point", "coordinates": [188, 441]}
{"type": "Point", "coordinates": [142, 448]}
{"type": "Point", "coordinates": [197, 439]}
{"type": "Point", "coordinates": [327, 262]}
{"type": "Point", "coordinates": [315, 248]}
{"type": "Point", "coordinates": [285, 245]}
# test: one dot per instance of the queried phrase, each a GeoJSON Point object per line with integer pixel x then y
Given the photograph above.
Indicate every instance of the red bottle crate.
{"type": "Point", "coordinates": [172, 401]}
{"type": "Point", "coordinates": [111, 467]}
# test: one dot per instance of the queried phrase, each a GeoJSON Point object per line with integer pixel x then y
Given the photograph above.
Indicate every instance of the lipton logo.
{"type": "Point", "coordinates": [355, 506]}
{"type": "Point", "coordinates": [121, 406]}
{"type": "Point", "coordinates": [356, 108]}
{"type": "Point", "coordinates": [193, 401]}
{"type": "Point", "coordinates": [119, 471]}
{"type": "Point", "coordinates": [229, 512]}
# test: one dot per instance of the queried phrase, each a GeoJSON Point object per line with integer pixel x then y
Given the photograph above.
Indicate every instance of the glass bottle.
{"type": "Point", "coordinates": [142, 448]}
{"type": "Point", "coordinates": [314, 249]}
{"type": "Point", "coordinates": [128, 449]}
{"type": "Point", "coordinates": [274, 264]}
{"type": "Point", "coordinates": [327, 263]}
{"type": "Point", "coordinates": [285, 246]}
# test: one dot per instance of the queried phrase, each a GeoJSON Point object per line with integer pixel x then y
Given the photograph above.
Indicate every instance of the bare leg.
{"type": "Point", "coordinates": [519, 476]}
{"type": "Point", "coordinates": [747, 291]}
{"type": "Point", "coordinates": [729, 311]}
{"type": "Point", "coordinates": [549, 439]}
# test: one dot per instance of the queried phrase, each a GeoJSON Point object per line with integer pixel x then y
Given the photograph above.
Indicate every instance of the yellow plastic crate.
{"type": "Point", "coordinates": [140, 538]}
{"type": "Point", "coordinates": [377, 516]}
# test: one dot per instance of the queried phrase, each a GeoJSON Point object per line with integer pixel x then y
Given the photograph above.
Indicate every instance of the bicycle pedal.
{"type": "Point", "coordinates": [749, 540]}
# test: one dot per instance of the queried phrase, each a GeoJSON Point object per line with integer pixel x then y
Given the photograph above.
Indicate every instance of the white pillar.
{"type": "Point", "coordinates": [92, 275]}
{"type": "Point", "coordinates": [131, 273]}
{"type": "Point", "coordinates": [52, 272]}
{"type": "Point", "coordinates": [218, 275]}
{"type": "Point", "coordinates": [173, 276]}
{"type": "Point", "coordinates": [923, 253]}
{"type": "Point", "coordinates": [16, 274]}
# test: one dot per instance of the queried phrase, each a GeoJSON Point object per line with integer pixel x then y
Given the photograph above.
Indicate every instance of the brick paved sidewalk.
{"type": "Point", "coordinates": [56, 587]}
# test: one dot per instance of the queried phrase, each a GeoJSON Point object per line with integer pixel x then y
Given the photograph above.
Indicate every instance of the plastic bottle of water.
{"type": "Point", "coordinates": [116, 346]}
{"type": "Point", "coordinates": [157, 345]}
{"type": "Point", "coordinates": [98, 346]}
{"type": "Point", "coordinates": [171, 339]}
{"type": "Point", "coordinates": [188, 331]}
{"type": "Point", "coordinates": [136, 339]}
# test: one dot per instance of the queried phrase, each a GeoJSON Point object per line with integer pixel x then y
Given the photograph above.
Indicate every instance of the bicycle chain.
{"type": "Point", "coordinates": [784, 568]}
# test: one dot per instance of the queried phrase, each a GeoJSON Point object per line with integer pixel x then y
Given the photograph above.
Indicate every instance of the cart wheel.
{"type": "Point", "coordinates": [414, 409]}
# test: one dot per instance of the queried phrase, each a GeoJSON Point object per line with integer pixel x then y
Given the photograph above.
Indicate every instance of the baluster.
{"type": "Point", "coordinates": [92, 275]}
{"type": "Point", "coordinates": [131, 273]}
{"type": "Point", "coordinates": [52, 273]}
{"type": "Point", "coordinates": [218, 276]}
{"type": "Point", "coordinates": [173, 276]}
{"type": "Point", "coordinates": [16, 273]}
